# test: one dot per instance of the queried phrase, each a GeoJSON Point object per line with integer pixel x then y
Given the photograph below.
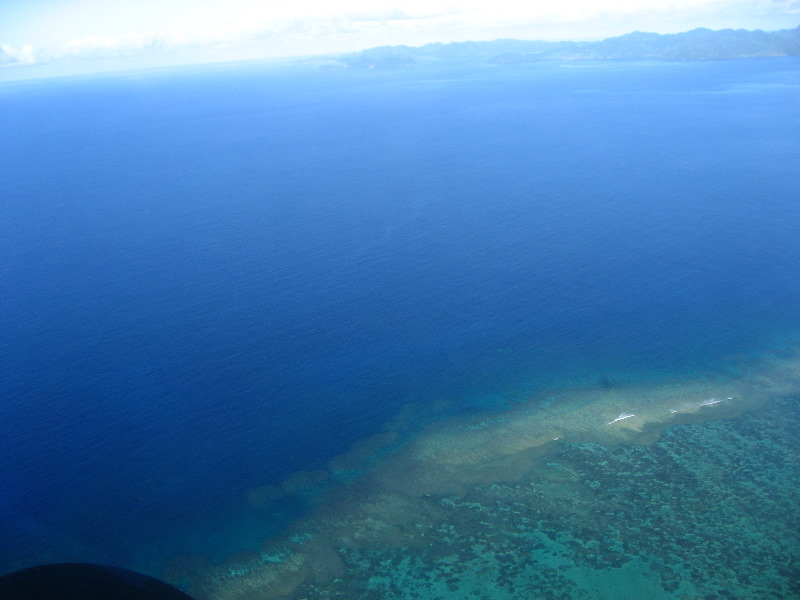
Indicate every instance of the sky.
{"type": "Point", "coordinates": [36, 32]}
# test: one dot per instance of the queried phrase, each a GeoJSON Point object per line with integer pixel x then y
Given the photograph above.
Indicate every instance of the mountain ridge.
{"type": "Point", "coordinates": [697, 44]}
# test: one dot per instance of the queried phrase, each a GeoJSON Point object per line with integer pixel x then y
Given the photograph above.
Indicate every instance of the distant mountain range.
{"type": "Point", "coordinates": [698, 44]}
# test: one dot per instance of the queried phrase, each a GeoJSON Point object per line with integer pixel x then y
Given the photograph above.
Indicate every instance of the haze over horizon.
{"type": "Point", "coordinates": [87, 35]}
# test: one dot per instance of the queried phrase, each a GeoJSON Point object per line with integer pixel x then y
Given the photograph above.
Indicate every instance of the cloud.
{"type": "Point", "coordinates": [6, 57]}
{"type": "Point", "coordinates": [26, 54]}
{"type": "Point", "coordinates": [124, 45]}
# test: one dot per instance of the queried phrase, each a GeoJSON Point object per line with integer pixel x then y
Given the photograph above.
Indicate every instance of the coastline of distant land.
{"type": "Point", "coordinates": [697, 44]}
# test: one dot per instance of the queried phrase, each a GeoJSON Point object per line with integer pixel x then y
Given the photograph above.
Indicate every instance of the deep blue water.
{"type": "Point", "coordinates": [213, 278]}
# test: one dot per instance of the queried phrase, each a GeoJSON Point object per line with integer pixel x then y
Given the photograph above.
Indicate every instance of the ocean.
{"type": "Point", "coordinates": [216, 282]}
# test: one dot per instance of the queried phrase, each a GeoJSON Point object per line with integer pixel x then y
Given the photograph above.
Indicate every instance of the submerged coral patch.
{"type": "Point", "coordinates": [665, 491]}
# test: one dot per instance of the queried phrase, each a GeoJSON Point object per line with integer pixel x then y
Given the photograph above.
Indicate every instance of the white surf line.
{"type": "Point", "coordinates": [621, 417]}
{"type": "Point", "coordinates": [708, 402]}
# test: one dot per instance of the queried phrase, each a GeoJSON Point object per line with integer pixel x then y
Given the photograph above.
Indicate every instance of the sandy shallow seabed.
{"type": "Point", "coordinates": [577, 493]}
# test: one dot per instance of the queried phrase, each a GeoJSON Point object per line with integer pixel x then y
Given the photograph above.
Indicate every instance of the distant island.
{"type": "Point", "coordinates": [698, 44]}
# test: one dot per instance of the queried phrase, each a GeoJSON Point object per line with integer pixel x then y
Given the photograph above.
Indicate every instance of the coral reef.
{"type": "Point", "coordinates": [706, 512]}
{"type": "Point", "coordinates": [679, 489]}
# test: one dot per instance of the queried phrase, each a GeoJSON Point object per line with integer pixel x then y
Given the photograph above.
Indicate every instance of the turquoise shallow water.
{"type": "Point", "coordinates": [708, 511]}
{"type": "Point", "coordinates": [687, 496]}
